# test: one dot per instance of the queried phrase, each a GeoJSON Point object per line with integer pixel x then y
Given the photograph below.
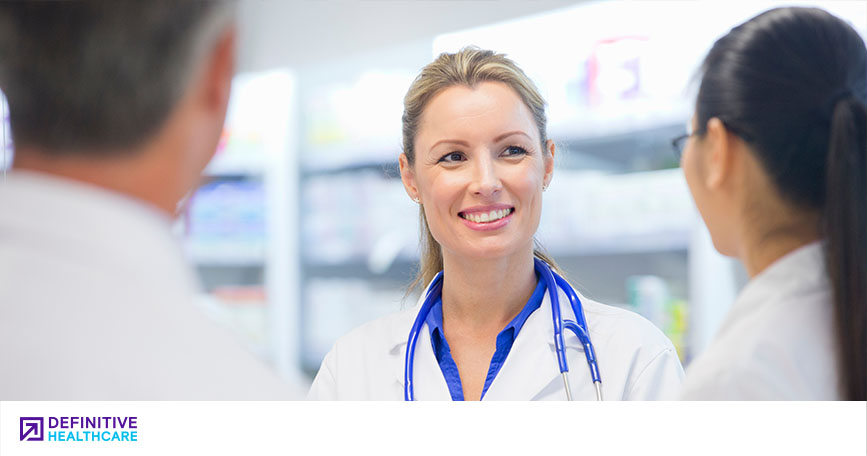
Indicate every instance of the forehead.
{"type": "Point", "coordinates": [488, 109]}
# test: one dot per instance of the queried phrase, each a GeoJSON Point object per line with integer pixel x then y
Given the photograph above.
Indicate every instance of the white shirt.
{"type": "Point", "coordinates": [96, 303]}
{"type": "Point", "coordinates": [777, 341]}
{"type": "Point", "coordinates": [636, 361]}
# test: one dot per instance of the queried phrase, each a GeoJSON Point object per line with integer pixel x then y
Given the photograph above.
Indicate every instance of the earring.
{"type": "Point", "coordinates": [417, 201]}
{"type": "Point", "coordinates": [544, 187]}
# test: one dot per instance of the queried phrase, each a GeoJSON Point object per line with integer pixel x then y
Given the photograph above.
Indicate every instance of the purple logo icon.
{"type": "Point", "coordinates": [31, 428]}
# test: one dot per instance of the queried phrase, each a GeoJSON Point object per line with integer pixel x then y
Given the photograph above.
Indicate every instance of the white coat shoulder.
{"type": "Point", "coordinates": [777, 342]}
{"type": "Point", "coordinates": [123, 324]}
{"type": "Point", "coordinates": [642, 361]}
{"type": "Point", "coordinates": [766, 354]}
{"type": "Point", "coordinates": [360, 364]}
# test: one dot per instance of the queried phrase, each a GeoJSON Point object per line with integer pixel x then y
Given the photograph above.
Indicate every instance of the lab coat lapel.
{"type": "Point", "coordinates": [429, 383]}
{"type": "Point", "coordinates": [532, 368]}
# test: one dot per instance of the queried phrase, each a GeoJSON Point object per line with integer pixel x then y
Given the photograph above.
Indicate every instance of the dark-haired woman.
{"type": "Point", "coordinates": [777, 165]}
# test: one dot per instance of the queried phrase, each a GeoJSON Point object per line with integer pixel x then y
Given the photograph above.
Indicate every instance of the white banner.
{"type": "Point", "coordinates": [271, 428]}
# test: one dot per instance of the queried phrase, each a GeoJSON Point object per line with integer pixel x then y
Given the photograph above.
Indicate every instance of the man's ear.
{"type": "Point", "coordinates": [219, 70]}
{"type": "Point", "coordinates": [408, 178]}
{"type": "Point", "coordinates": [719, 154]}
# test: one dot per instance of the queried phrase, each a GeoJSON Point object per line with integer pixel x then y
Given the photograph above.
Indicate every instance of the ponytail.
{"type": "Point", "coordinates": [793, 81]}
{"type": "Point", "coordinates": [845, 226]}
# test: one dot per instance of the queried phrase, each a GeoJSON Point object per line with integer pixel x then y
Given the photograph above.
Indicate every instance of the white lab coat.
{"type": "Point", "coordinates": [777, 341]}
{"type": "Point", "coordinates": [636, 361]}
{"type": "Point", "coordinates": [97, 303]}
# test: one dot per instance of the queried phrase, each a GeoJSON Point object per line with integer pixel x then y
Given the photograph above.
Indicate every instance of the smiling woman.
{"type": "Point", "coordinates": [477, 160]}
{"type": "Point", "coordinates": [479, 163]}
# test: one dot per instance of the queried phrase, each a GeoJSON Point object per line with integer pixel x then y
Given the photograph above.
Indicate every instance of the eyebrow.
{"type": "Point", "coordinates": [511, 133]}
{"type": "Point", "coordinates": [466, 144]}
{"type": "Point", "coordinates": [450, 141]}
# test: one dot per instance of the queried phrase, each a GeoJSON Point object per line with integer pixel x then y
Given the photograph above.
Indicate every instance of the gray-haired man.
{"type": "Point", "coordinates": [115, 109]}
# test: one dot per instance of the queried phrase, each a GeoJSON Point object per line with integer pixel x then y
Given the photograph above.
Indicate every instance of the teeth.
{"type": "Point", "coordinates": [486, 217]}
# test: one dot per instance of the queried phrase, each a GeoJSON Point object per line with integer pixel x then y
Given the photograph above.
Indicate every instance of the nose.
{"type": "Point", "coordinates": [486, 180]}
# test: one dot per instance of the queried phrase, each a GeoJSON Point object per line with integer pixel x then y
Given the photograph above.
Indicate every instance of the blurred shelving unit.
{"type": "Point", "coordinates": [619, 80]}
{"type": "Point", "coordinates": [240, 227]}
{"type": "Point", "coordinates": [359, 233]}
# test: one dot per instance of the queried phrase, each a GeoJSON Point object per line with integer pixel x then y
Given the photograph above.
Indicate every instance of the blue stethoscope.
{"type": "Point", "coordinates": [552, 281]}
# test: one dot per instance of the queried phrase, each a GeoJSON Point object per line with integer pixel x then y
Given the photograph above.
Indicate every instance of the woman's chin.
{"type": "Point", "coordinates": [489, 252]}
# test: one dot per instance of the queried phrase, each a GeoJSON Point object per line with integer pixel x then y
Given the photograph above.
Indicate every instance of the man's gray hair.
{"type": "Point", "coordinates": [100, 77]}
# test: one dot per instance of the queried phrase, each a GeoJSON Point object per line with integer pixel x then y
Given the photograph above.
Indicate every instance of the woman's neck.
{"type": "Point", "coordinates": [484, 295]}
{"type": "Point", "coordinates": [764, 244]}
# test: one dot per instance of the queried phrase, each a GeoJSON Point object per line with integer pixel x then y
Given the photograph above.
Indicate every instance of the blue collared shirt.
{"type": "Point", "coordinates": [505, 339]}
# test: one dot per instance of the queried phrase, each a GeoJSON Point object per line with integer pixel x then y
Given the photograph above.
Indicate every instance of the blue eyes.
{"type": "Point", "coordinates": [452, 157]}
{"type": "Point", "coordinates": [511, 151]}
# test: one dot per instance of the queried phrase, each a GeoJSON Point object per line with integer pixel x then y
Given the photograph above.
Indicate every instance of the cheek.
{"type": "Point", "coordinates": [525, 186]}
{"type": "Point", "coordinates": [440, 194]}
{"type": "Point", "coordinates": [443, 190]}
{"type": "Point", "coordinates": [530, 178]}
{"type": "Point", "coordinates": [531, 194]}
{"type": "Point", "coordinates": [706, 203]}
{"type": "Point", "coordinates": [692, 173]}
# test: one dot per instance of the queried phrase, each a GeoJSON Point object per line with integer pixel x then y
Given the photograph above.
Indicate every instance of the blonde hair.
{"type": "Point", "coordinates": [468, 67]}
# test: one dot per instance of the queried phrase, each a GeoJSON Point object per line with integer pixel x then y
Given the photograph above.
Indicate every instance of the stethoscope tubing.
{"type": "Point", "coordinates": [435, 288]}
{"type": "Point", "coordinates": [553, 281]}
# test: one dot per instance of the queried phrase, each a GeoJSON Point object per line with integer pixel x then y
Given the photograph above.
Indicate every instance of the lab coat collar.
{"type": "Point", "coordinates": [807, 263]}
{"type": "Point", "coordinates": [530, 368]}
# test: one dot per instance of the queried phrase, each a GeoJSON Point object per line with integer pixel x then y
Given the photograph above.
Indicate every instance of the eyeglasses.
{"type": "Point", "coordinates": [679, 144]}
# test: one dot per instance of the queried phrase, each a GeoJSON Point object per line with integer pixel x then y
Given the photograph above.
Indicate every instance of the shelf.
{"type": "Point", "coordinates": [630, 119]}
{"type": "Point", "coordinates": [225, 254]}
{"type": "Point", "coordinates": [644, 150]}
{"type": "Point", "coordinates": [233, 165]}
{"type": "Point", "coordinates": [328, 159]}
{"type": "Point", "coordinates": [665, 241]}
{"type": "Point", "coordinates": [649, 243]}
{"type": "Point", "coordinates": [386, 169]}
{"type": "Point", "coordinates": [402, 270]}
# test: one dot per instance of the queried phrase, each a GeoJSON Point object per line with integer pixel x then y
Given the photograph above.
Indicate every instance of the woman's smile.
{"type": "Point", "coordinates": [487, 218]}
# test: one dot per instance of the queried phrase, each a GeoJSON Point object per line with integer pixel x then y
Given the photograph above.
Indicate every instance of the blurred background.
{"type": "Point", "coordinates": [301, 229]}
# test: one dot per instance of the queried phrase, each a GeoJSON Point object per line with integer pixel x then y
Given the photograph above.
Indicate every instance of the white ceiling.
{"type": "Point", "coordinates": [302, 32]}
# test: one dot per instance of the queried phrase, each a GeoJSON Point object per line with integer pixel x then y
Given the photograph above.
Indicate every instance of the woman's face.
{"type": "Point", "coordinates": [479, 171]}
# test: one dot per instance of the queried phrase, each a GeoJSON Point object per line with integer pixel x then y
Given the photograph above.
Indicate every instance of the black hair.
{"type": "Point", "coordinates": [98, 76]}
{"type": "Point", "coordinates": [792, 83]}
